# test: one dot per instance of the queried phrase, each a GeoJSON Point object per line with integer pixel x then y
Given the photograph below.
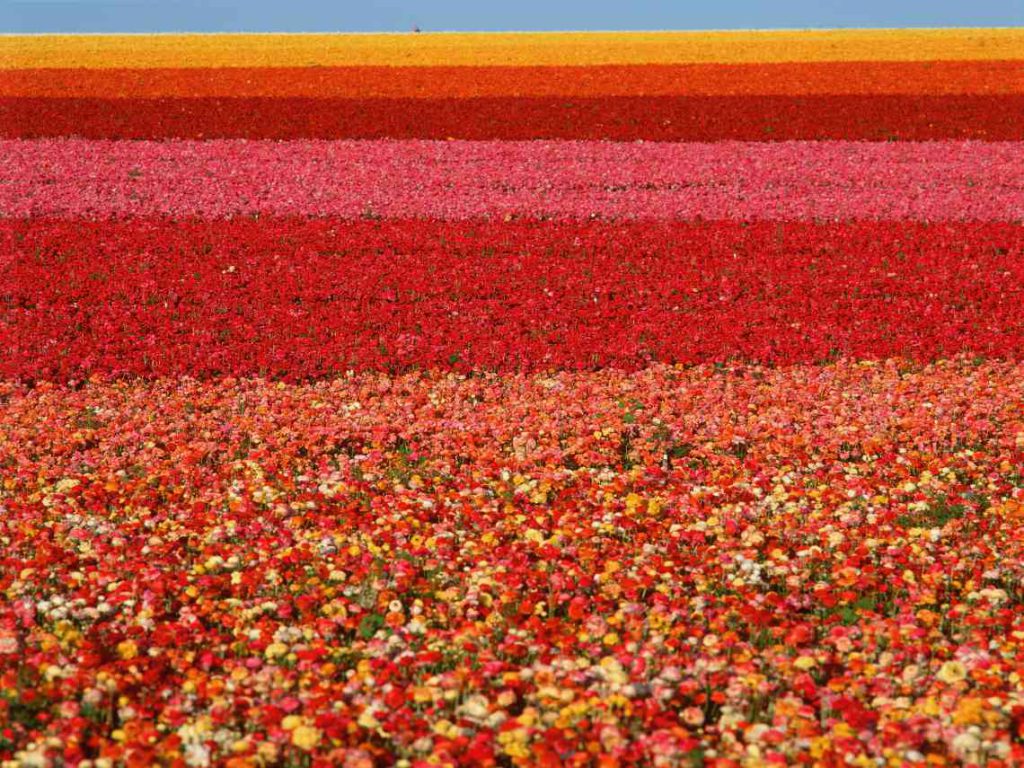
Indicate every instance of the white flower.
{"type": "Point", "coordinates": [475, 708]}
{"type": "Point", "coordinates": [197, 754]}
{"type": "Point", "coordinates": [966, 745]}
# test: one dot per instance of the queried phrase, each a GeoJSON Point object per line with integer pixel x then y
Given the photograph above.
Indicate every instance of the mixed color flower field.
{"type": "Point", "coordinates": [510, 400]}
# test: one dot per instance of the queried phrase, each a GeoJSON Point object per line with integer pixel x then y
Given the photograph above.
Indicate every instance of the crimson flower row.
{"type": "Point", "coordinates": [917, 117]}
{"type": "Point", "coordinates": [299, 298]}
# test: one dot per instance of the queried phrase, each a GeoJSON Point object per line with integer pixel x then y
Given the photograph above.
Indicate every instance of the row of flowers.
{"type": "Point", "coordinates": [884, 117]}
{"type": "Point", "coordinates": [85, 52]}
{"type": "Point", "coordinates": [716, 566]}
{"type": "Point", "coordinates": [455, 180]}
{"type": "Point", "coordinates": [453, 82]}
{"type": "Point", "coordinates": [300, 298]}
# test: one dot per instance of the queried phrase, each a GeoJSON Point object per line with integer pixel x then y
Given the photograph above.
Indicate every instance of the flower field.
{"type": "Point", "coordinates": [508, 400]}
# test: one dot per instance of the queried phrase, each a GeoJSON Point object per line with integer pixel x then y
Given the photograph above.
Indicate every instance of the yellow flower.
{"type": "Point", "coordinates": [657, 621]}
{"type": "Point", "coordinates": [421, 695]}
{"type": "Point", "coordinates": [952, 672]}
{"type": "Point", "coordinates": [267, 751]}
{"type": "Point", "coordinates": [513, 742]}
{"type": "Point", "coordinates": [819, 746]}
{"type": "Point", "coordinates": [843, 730]}
{"type": "Point", "coordinates": [367, 720]}
{"type": "Point", "coordinates": [276, 649]}
{"type": "Point", "coordinates": [127, 650]}
{"type": "Point", "coordinates": [970, 711]}
{"type": "Point", "coordinates": [804, 663]}
{"type": "Point", "coordinates": [306, 737]}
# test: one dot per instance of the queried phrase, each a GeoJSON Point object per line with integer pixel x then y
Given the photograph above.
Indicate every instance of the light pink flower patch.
{"type": "Point", "coordinates": [949, 180]}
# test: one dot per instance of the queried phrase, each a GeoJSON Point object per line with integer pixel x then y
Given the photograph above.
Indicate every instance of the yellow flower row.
{"type": "Point", "coordinates": [551, 48]}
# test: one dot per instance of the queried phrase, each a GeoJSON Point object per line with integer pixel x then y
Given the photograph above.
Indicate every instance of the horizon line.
{"type": "Point", "coordinates": [514, 31]}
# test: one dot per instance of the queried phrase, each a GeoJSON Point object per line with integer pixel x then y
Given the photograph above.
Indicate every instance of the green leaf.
{"type": "Point", "coordinates": [369, 625]}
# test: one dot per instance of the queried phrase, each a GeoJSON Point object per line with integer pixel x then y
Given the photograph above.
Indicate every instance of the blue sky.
{"type": "Point", "coordinates": [402, 15]}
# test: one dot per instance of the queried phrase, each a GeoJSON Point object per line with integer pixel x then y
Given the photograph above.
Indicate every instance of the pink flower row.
{"type": "Point", "coordinates": [949, 180]}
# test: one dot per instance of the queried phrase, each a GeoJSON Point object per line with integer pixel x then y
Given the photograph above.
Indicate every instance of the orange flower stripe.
{"type": "Point", "coordinates": [507, 49]}
{"type": "Point", "coordinates": [786, 78]}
